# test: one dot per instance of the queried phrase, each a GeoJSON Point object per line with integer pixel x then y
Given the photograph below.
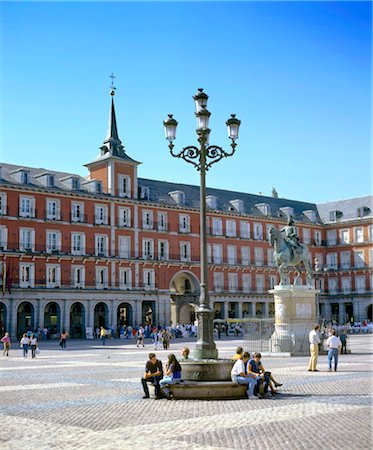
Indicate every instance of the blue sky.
{"type": "Point", "coordinates": [298, 75]}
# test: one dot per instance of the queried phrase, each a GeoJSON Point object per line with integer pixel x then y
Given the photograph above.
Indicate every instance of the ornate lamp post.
{"type": "Point", "coordinates": [202, 158]}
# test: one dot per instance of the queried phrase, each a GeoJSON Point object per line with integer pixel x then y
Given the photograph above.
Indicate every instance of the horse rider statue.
{"type": "Point", "coordinates": [291, 237]}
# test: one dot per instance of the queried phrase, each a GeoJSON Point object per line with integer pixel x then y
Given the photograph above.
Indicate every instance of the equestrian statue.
{"type": "Point", "coordinates": [289, 251]}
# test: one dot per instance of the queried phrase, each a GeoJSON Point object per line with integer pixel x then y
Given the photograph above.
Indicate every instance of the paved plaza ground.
{"type": "Point", "coordinates": [90, 397]}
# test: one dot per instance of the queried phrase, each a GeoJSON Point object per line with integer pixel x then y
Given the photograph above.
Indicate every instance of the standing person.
{"type": "Point", "coordinates": [343, 338]}
{"type": "Point", "coordinates": [173, 375]}
{"type": "Point", "coordinates": [153, 374]}
{"type": "Point", "coordinates": [314, 340]}
{"type": "Point", "coordinates": [7, 343]}
{"type": "Point", "coordinates": [140, 337]}
{"type": "Point", "coordinates": [63, 339]}
{"type": "Point", "coordinates": [33, 345]}
{"type": "Point", "coordinates": [25, 342]}
{"type": "Point", "coordinates": [334, 345]}
{"type": "Point", "coordinates": [241, 375]}
{"type": "Point", "coordinates": [166, 336]}
{"type": "Point", "coordinates": [103, 335]}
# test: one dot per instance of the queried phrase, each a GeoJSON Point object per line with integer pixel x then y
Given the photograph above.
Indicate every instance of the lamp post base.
{"type": "Point", "coordinates": [205, 346]}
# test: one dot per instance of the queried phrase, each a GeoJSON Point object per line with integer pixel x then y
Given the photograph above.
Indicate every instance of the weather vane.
{"type": "Point", "coordinates": [112, 87]}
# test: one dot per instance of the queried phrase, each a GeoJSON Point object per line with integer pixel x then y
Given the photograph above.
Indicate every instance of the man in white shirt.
{"type": "Point", "coordinates": [334, 344]}
{"type": "Point", "coordinates": [314, 348]}
{"type": "Point", "coordinates": [240, 374]}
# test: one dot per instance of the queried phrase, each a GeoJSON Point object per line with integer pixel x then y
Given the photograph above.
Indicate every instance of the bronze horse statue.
{"type": "Point", "coordinates": [285, 257]}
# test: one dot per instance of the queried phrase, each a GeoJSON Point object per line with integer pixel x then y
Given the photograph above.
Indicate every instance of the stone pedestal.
{"type": "Point", "coordinates": [295, 316]}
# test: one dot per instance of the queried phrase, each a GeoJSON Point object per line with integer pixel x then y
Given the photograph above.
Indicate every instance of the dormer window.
{"type": "Point", "coordinates": [212, 202]}
{"type": "Point", "coordinates": [178, 197]}
{"type": "Point", "coordinates": [238, 205]}
{"type": "Point", "coordinates": [264, 208]}
{"type": "Point", "coordinates": [335, 215]}
{"type": "Point", "coordinates": [144, 193]}
{"type": "Point", "coordinates": [75, 184]}
{"type": "Point", "coordinates": [24, 177]}
{"type": "Point", "coordinates": [288, 211]}
{"type": "Point", "coordinates": [363, 211]}
{"type": "Point", "coordinates": [50, 180]}
{"type": "Point", "coordinates": [98, 187]}
{"type": "Point", "coordinates": [311, 215]}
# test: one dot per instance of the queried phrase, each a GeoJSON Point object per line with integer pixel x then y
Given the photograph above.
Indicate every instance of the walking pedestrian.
{"type": "Point", "coordinates": [33, 345]}
{"type": "Point", "coordinates": [7, 343]}
{"type": "Point", "coordinates": [103, 335]}
{"type": "Point", "coordinates": [25, 342]}
{"type": "Point", "coordinates": [63, 339]}
{"type": "Point", "coordinates": [140, 337]}
{"type": "Point", "coordinates": [314, 340]}
{"type": "Point", "coordinates": [343, 338]}
{"type": "Point", "coordinates": [334, 345]}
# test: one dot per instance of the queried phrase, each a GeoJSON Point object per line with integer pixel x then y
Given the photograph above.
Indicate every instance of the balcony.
{"type": "Point", "coordinates": [81, 218]}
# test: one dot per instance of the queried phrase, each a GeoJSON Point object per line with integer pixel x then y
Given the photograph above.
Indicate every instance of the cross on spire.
{"type": "Point", "coordinates": [112, 87]}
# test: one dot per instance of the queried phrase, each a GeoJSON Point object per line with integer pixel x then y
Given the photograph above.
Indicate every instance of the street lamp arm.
{"type": "Point", "coordinates": [190, 154]}
{"type": "Point", "coordinates": [215, 154]}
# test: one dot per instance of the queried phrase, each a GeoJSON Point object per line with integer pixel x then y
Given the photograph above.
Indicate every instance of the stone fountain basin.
{"type": "Point", "coordinates": [206, 369]}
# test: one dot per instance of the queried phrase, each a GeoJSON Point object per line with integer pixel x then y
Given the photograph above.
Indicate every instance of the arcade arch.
{"type": "Point", "coordinates": [184, 289]}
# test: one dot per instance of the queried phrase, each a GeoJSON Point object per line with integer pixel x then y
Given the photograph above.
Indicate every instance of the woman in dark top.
{"type": "Point", "coordinates": [173, 375]}
{"type": "Point", "coordinates": [264, 379]}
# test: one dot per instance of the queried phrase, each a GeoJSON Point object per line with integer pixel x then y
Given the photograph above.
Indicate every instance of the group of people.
{"type": "Point", "coordinates": [29, 341]}
{"type": "Point", "coordinates": [335, 345]}
{"type": "Point", "coordinates": [162, 379]}
{"type": "Point", "coordinates": [249, 370]}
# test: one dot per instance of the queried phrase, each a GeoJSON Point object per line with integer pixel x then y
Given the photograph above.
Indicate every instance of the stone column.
{"type": "Point", "coordinates": [239, 310]}
{"type": "Point", "coordinates": [253, 309]}
{"type": "Point", "coordinates": [38, 314]}
{"type": "Point", "coordinates": [225, 310]}
{"type": "Point", "coordinates": [342, 313]}
{"type": "Point", "coordinates": [266, 310]}
{"type": "Point", "coordinates": [138, 312]}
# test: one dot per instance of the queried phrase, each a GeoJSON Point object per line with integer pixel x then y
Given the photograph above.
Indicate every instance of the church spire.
{"type": "Point", "coordinates": [112, 143]}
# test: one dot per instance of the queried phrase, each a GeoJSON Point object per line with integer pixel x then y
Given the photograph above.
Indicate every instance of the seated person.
{"type": "Point", "coordinates": [238, 355]}
{"type": "Point", "coordinates": [185, 354]}
{"type": "Point", "coordinates": [153, 374]}
{"type": "Point", "coordinates": [240, 375]}
{"type": "Point", "coordinates": [173, 375]}
{"type": "Point", "coordinates": [263, 379]}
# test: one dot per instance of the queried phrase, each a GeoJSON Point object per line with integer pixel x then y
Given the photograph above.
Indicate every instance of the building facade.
{"type": "Point", "coordinates": [112, 248]}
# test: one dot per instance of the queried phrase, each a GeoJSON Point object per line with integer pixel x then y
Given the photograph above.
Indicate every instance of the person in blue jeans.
{"type": "Point", "coordinates": [173, 375]}
{"type": "Point", "coordinates": [264, 380]}
{"type": "Point", "coordinates": [241, 375]}
{"type": "Point", "coordinates": [334, 345]}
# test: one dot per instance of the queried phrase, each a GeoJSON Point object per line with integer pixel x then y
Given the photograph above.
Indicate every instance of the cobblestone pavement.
{"type": "Point", "coordinates": [90, 397]}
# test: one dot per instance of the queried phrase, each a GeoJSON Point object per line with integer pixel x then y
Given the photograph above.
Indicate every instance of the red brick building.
{"type": "Point", "coordinates": [113, 248]}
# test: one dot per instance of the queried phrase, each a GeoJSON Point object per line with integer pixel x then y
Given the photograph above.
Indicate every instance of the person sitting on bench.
{"type": "Point", "coordinates": [153, 374]}
{"type": "Point", "coordinates": [240, 374]}
{"type": "Point", "coordinates": [173, 375]}
{"type": "Point", "coordinates": [263, 379]}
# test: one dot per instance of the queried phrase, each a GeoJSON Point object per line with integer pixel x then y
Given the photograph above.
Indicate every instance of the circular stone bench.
{"type": "Point", "coordinates": [208, 390]}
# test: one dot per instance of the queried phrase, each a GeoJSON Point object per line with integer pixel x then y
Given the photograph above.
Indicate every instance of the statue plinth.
{"type": "Point", "coordinates": [295, 316]}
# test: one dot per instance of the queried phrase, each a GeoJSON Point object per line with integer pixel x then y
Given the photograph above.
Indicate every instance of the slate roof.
{"type": "Point", "coordinates": [348, 208]}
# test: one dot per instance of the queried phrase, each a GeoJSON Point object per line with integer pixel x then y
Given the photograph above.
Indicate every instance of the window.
{"type": "Point", "coordinates": [163, 250]}
{"type": "Point", "coordinates": [272, 281]}
{"type": "Point", "coordinates": [26, 275]}
{"type": "Point", "coordinates": [144, 193]}
{"type": "Point", "coordinates": [345, 236]}
{"type": "Point", "coordinates": [359, 234]}
{"type": "Point", "coordinates": [50, 180]}
{"type": "Point", "coordinates": [125, 278]}
{"type": "Point", "coordinates": [53, 275]}
{"type": "Point", "coordinates": [3, 238]}
{"type": "Point", "coordinates": [232, 254]}
{"type": "Point", "coordinates": [245, 256]}
{"type": "Point", "coordinates": [184, 223]}
{"type": "Point", "coordinates": [270, 257]}
{"type": "Point", "coordinates": [101, 245]}
{"type": "Point", "coordinates": [246, 282]}
{"type": "Point", "coordinates": [124, 246]}
{"type": "Point", "coordinates": [75, 184]}
{"type": "Point", "coordinates": [335, 215]}
{"type": "Point", "coordinates": [371, 258]}
{"type": "Point", "coordinates": [162, 221]}
{"type": "Point", "coordinates": [217, 253]}
{"type": "Point", "coordinates": [147, 248]}
{"type": "Point", "coordinates": [345, 260]}
{"type": "Point", "coordinates": [332, 261]}
{"type": "Point", "coordinates": [231, 228]}
{"type": "Point", "coordinates": [258, 231]}
{"type": "Point", "coordinates": [259, 282]}
{"type": "Point", "coordinates": [332, 285]}
{"type": "Point", "coordinates": [232, 282]}
{"type": "Point", "coordinates": [78, 276]}
{"type": "Point", "coordinates": [77, 243]}
{"type": "Point", "coordinates": [53, 210]}
{"type": "Point", "coordinates": [147, 220]}
{"type": "Point", "coordinates": [331, 237]}
{"type": "Point", "coordinates": [77, 212]}
{"type": "Point", "coordinates": [218, 281]}
{"type": "Point", "coordinates": [360, 284]}
{"type": "Point", "coordinates": [25, 177]}
{"type": "Point", "coordinates": [185, 251]}
{"type": "Point", "coordinates": [149, 279]}
{"type": "Point", "coordinates": [101, 277]}
{"type": "Point", "coordinates": [306, 235]}
{"type": "Point", "coordinates": [244, 229]}
{"type": "Point", "coordinates": [209, 253]}
{"type": "Point", "coordinates": [101, 215]}
{"type": "Point", "coordinates": [124, 186]}
{"type": "Point", "coordinates": [346, 284]}
{"type": "Point", "coordinates": [359, 259]}
{"type": "Point", "coordinates": [27, 207]}
{"type": "Point", "coordinates": [370, 233]}
{"type": "Point", "coordinates": [217, 227]}
{"type": "Point", "coordinates": [53, 241]}
{"type": "Point", "coordinates": [27, 239]}
{"type": "Point", "coordinates": [258, 256]}
{"type": "Point", "coordinates": [3, 209]}
{"type": "Point", "coordinates": [124, 219]}
{"type": "Point", "coordinates": [317, 237]}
